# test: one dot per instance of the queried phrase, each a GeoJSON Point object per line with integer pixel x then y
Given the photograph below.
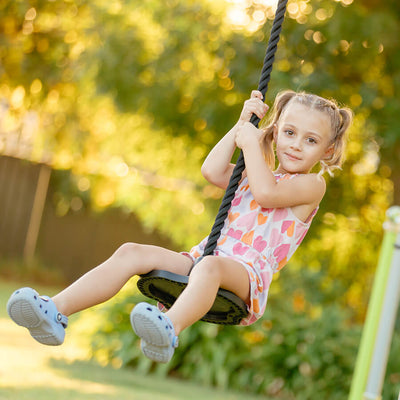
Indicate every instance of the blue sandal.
{"type": "Point", "coordinates": [39, 315]}
{"type": "Point", "coordinates": [156, 330]}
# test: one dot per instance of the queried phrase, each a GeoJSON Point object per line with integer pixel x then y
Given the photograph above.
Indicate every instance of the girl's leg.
{"type": "Point", "coordinates": [104, 281]}
{"type": "Point", "coordinates": [206, 278]}
{"type": "Point", "coordinates": [159, 331]}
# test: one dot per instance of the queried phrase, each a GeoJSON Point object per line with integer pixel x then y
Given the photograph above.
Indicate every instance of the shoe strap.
{"type": "Point", "coordinates": [175, 342]}
{"type": "Point", "coordinates": [62, 319]}
{"type": "Point", "coordinates": [175, 339]}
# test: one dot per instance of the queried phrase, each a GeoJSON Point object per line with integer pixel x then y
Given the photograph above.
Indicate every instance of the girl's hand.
{"type": "Point", "coordinates": [254, 105]}
{"type": "Point", "coordinates": [247, 134]}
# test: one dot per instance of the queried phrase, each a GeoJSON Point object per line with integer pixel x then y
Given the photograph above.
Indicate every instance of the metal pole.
{"type": "Point", "coordinates": [369, 333]}
{"type": "Point", "coordinates": [387, 319]}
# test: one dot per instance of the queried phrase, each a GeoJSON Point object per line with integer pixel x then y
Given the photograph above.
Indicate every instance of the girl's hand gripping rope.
{"type": "Point", "coordinates": [254, 105]}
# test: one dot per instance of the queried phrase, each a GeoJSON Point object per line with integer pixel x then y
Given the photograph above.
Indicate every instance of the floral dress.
{"type": "Point", "coordinates": [262, 239]}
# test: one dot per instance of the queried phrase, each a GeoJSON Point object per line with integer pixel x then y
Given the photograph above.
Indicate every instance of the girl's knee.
{"type": "Point", "coordinates": [131, 257]}
{"type": "Point", "coordinates": [128, 250]}
{"type": "Point", "coordinates": [209, 266]}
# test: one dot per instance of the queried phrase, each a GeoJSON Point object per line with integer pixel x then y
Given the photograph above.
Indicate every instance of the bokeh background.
{"type": "Point", "coordinates": [107, 111]}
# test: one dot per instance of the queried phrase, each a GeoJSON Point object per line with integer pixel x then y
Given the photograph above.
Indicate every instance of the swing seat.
{"type": "Point", "coordinates": [165, 287]}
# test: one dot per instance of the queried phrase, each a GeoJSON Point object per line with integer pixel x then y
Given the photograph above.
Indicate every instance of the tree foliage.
{"type": "Point", "coordinates": [132, 95]}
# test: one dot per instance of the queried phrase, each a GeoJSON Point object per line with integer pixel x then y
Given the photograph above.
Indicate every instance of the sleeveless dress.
{"type": "Point", "coordinates": [261, 239]}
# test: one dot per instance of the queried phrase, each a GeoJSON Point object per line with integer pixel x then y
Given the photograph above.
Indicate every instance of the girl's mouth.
{"type": "Point", "coordinates": [292, 157]}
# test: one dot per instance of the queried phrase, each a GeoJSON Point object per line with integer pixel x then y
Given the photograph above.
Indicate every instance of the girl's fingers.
{"type": "Point", "coordinates": [256, 94]}
{"type": "Point", "coordinates": [255, 107]}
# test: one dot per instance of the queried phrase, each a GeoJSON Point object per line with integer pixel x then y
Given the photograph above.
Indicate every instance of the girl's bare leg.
{"type": "Point", "coordinates": [206, 278]}
{"type": "Point", "coordinates": [104, 281]}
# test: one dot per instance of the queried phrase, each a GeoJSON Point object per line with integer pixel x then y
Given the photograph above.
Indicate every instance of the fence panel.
{"type": "Point", "coordinates": [18, 182]}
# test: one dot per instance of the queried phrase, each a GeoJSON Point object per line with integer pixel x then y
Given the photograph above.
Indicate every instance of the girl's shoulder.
{"type": "Point", "coordinates": [312, 181]}
{"type": "Point", "coordinates": [310, 186]}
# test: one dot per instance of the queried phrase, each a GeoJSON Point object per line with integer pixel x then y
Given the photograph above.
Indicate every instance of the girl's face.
{"type": "Point", "coordinates": [302, 137]}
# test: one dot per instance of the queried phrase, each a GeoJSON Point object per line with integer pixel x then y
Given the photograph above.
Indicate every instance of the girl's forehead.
{"type": "Point", "coordinates": [307, 118]}
{"type": "Point", "coordinates": [294, 107]}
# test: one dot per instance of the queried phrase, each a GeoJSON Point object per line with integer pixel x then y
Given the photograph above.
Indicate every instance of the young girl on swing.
{"type": "Point", "coordinates": [269, 217]}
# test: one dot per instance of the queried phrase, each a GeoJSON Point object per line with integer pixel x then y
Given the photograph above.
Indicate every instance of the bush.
{"type": "Point", "coordinates": [288, 354]}
{"type": "Point", "coordinates": [299, 348]}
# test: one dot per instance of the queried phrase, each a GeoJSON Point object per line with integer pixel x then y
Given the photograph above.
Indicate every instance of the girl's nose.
{"type": "Point", "coordinates": [296, 145]}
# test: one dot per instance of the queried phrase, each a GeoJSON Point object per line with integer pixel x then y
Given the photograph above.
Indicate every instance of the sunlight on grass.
{"type": "Point", "coordinates": [25, 363]}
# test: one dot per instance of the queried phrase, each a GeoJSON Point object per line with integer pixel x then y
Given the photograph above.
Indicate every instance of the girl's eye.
{"type": "Point", "coordinates": [312, 140]}
{"type": "Point", "coordinates": [289, 132]}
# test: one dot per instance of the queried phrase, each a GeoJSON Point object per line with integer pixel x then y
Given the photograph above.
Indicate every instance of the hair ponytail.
{"type": "Point", "coordinates": [340, 126]}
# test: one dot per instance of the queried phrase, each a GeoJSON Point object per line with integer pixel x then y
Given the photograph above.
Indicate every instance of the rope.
{"type": "Point", "coordinates": [240, 166]}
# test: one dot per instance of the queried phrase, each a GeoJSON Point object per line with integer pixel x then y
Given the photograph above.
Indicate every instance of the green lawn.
{"type": "Point", "coordinates": [30, 371]}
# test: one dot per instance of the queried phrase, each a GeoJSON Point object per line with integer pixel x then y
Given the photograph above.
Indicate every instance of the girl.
{"type": "Point", "coordinates": [268, 219]}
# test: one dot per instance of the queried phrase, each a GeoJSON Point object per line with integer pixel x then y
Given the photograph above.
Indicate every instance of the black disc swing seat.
{"type": "Point", "coordinates": [164, 286]}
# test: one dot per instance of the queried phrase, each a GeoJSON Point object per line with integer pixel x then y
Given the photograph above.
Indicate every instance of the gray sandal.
{"type": "Point", "coordinates": [39, 315]}
{"type": "Point", "coordinates": [156, 330]}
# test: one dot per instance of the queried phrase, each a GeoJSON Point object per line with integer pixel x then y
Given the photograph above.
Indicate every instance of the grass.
{"type": "Point", "coordinates": [31, 371]}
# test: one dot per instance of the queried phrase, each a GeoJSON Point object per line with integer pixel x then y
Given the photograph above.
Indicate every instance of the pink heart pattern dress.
{"type": "Point", "coordinates": [261, 239]}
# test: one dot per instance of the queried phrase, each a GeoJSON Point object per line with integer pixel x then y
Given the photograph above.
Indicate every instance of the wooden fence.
{"type": "Point", "coordinates": [23, 188]}
{"type": "Point", "coordinates": [74, 243]}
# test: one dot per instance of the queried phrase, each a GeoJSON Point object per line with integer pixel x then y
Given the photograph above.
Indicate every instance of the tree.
{"type": "Point", "coordinates": [131, 97]}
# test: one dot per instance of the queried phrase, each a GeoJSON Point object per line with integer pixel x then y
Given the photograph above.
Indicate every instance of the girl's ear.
{"type": "Point", "coordinates": [329, 151]}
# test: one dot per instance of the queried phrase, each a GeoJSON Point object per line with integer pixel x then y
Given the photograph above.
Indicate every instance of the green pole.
{"type": "Point", "coordinates": [363, 361]}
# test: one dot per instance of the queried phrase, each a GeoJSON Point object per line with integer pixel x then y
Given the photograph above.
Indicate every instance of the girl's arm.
{"type": "Point", "coordinates": [305, 190]}
{"type": "Point", "coordinates": [217, 167]}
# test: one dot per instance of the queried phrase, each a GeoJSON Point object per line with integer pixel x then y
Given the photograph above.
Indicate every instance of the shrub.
{"type": "Point", "coordinates": [299, 347]}
{"type": "Point", "coordinates": [287, 354]}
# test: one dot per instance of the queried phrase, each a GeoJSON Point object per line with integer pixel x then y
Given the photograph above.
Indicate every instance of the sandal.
{"type": "Point", "coordinates": [39, 315]}
{"type": "Point", "coordinates": [156, 330]}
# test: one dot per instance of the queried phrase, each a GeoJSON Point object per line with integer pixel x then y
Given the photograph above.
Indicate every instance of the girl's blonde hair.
{"type": "Point", "coordinates": [340, 121]}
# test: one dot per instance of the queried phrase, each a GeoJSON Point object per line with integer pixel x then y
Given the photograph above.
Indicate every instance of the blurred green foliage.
{"type": "Point", "coordinates": [130, 96]}
{"type": "Point", "coordinates": [301, 346]}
